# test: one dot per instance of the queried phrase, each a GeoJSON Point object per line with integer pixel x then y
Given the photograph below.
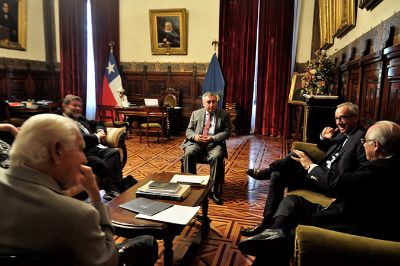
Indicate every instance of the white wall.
{"type": "Point", "coordinates": [203, 23]}
{"type": "Point", "coordinates": [35, 46]}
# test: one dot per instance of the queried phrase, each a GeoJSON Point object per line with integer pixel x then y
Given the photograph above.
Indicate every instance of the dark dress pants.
{"type": "Point", "coordinates": [215, 157]}
{"type": "Point", "coordinates": [106, 163]}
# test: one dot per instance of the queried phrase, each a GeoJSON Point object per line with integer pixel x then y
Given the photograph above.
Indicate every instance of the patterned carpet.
{"type": "Point", "coordinates": [243, 196]}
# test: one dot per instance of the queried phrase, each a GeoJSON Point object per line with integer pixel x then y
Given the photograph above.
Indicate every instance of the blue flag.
{"type": "Point", "coordinates": [214, 81]}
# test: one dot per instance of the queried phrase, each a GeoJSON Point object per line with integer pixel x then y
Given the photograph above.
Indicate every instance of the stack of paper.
{"type": "Point", "coordinates": [191, 179]}
{"type": "Point", "coordinates": [176, 214]}
{"type": "Point", "coordinates": [180, 194]}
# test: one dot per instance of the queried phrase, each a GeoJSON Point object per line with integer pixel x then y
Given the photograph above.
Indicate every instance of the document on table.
{"type": "Point", "coordinates": [191, 179]}
{"type": "Point", "coordinates": [176, 214]}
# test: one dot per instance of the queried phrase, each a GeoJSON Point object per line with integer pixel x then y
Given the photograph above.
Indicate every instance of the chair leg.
{"type": "Point", "coordinates": [147, 136]}
{"type": "Point", "coordinates": [140, 134]}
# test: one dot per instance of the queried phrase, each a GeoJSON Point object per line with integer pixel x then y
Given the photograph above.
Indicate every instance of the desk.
{"type": "Point", "coordinates": [127, 225]}
{"type": "Point", "coordinates": [173, 116]}
{"type": "Point", "coordinates": [24, 112]}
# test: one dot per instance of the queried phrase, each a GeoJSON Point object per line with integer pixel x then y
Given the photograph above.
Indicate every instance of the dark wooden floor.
{"type": "Point", "coordinates": [243, 196]}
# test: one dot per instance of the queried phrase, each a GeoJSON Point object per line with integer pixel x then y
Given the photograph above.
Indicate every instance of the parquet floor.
{"type": "Point", "coordinates": [243, 196]}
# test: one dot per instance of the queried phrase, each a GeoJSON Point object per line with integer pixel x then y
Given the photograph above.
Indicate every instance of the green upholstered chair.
{"type": "Point", "coordinates": [316, 246]}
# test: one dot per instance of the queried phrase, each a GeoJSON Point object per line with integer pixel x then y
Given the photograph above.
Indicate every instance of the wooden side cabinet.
{"type": "Point", "coordinates": [319, 112]}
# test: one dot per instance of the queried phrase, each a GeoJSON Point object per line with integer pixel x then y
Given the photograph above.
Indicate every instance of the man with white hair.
{"type": "Point", "coordinates": [365, 205]}
{"type": "Point", "coordinates": [46, 158]}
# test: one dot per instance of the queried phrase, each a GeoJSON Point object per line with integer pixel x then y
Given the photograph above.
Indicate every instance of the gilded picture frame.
{"type": "Point", "coordinates": [168, 31]}
{"type": "Point", "coordinates": [296, 92]}
{"type": "Point", "coordinates": [326, 15]}
{"type": "Point", "coordinates": [13, 24]}
{"type": "Point", "coordinates": [345, 16]}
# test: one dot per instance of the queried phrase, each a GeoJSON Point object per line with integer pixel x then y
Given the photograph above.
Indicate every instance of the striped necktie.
{"type": "Point", "coordinates": [207, 125]}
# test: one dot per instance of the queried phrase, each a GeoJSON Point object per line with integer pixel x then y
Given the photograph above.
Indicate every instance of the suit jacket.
{"type": "Point", "coordinates": [37, 217]}
{"type": "Point", "coordinates": [367, 201]}
{"type": "Point", "coordinates": [349, 159]}
{"type": "Point", "coordinates": [91, 140]}
{"type": "Point", "coordinates": [222, 131]}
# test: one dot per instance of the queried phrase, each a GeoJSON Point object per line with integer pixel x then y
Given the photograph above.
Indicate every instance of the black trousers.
{"type": "Point", "coordinates": [286, 173]}
{"type": "Point", "coordinates": [106, 164]}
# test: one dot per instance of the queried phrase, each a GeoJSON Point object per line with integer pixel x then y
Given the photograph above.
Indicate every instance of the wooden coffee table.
{"type": "Point", "coordinates": [126, 225]}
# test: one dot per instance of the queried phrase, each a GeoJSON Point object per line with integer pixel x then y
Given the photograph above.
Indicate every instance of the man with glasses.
{"type": "Point", "coordinates": [344, 153]}
{"type": "Point", "coordinates": [365, 205]}
{"type": "Point", "coordinates": [206, 133]}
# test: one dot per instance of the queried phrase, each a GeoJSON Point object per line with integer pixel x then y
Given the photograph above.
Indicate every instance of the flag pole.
{"type": "Point", "coordinates": [111, 44]}
{"type": "Point", "coordinates": [215, 44]}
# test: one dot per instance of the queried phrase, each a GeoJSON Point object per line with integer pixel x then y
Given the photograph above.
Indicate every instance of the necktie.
{"type": "Point", "coordinates": [207, 125]}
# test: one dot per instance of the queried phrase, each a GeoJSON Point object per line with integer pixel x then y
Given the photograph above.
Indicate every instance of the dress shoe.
{"type": "Point", "coordinates": [270, 240]}
{"type": "Point", "coordinates": [260, 174]}
{"type": "Point", "coordinates": [252, 231]}
{"type": "Point", "coordinates": [110, 195]}
{"type": "Point", "coordinates": [217, 199]}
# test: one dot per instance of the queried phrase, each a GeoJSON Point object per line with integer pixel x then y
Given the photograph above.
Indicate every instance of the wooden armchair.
{"type": "Point", "coordinates": [170, 97]}
{"type": "Point", "coordinates": [155, 117]}
{"type": "Point", "coordinates": [108, 115]}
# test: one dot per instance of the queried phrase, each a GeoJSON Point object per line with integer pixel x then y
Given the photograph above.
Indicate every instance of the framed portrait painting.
{"type": "Point", "coordinates": [296, 92]}
{"type": "Point", "coordinates": [168, 31]}
{"type": "Point", "coordinates": [13, 24]}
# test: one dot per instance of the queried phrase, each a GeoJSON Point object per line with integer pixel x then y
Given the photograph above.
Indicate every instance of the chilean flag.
{"type": "Point", "coordinates": [111, 82]}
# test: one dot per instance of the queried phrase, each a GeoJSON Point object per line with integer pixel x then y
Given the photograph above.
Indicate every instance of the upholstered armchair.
{"type": "Point", "coordinates": [115, 139]}
{"type": "Point", "coordinates": [316, 246]}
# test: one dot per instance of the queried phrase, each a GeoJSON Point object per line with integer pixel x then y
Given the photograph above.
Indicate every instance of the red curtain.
{"type": "Point", "coordinates": [238, 29]}
{"type": "Point", "coordinates": [105, 21]}
{"type": "Point", "coordinates": [274, 60]}
{"type": "Point", "coordinates": [73, 47]}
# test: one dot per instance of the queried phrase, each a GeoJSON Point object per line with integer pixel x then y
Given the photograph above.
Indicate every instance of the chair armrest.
{"type": "Point", "coordinates": [317, 246]}
{"type": "Point", "coordinates": [113, 137]}
{"type": "Point", "coordinates": [312, 196]}
{"type": "Point", "coordinates": [311, 149]}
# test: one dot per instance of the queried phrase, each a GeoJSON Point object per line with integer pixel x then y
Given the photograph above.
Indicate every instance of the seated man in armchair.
{"type": "Point", "coordinates": [344, 153]}
{"type": "Point", "coordinates": [206, 133]}
{"type": "Point", "coordinates": [365, 204]}
{"type": "Point", "coordinates": [105, 162]}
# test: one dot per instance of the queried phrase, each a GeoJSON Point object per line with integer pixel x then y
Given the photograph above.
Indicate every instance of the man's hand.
{"type": "Point", "coordinates": [303, 159]}
{"type": "Point", "coordinates": [197, 138]}
{"type": "Point", "coordinates": [101, 135]}
{"type": "Point", "coordinates": [328, 132]}
{"type": "Point", "coordinates": [207, 139]}
{"type": "Point", "coordinates": [88, 182]}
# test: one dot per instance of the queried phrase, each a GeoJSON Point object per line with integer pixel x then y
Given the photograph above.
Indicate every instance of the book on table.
{"type": "Point", "coordinates": [193, 180]}
{"type": "Point", "coordinates": [145, 206]}
{"type": "Point", "coordinates": [180, 194]}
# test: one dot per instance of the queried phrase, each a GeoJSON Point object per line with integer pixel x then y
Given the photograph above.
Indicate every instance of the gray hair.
{"type": "Point", "coordinates": [353, 108]}
{"type": "Point", "coordinates": [209, 93]}
{"type": "Point", "coordinates": [387, 134]}
{"type": "Point", "coordinates": [32, 144]}
{"type": "Point", "coordinates": [69, 98]}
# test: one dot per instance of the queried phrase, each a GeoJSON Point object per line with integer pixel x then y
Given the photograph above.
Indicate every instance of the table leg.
{"type": "Point", "coordinates": [168, 252]}
{"type": "Point", "coordinates": [206, 221]}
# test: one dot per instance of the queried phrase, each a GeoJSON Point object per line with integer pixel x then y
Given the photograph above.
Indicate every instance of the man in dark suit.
{"type": "Point", "coordinates": [105, 162]}
{"type": "Point", "coordinates": [366, 200]}
{"type": "Point", "coordinates": [206, 133]}
{"type": "Point", "coordinates": [344, 153]}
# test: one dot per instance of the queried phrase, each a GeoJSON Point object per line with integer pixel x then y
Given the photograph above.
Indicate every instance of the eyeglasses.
{"type": "Point", "coordinates": [343, 117]}
{"type": "Point", "coordinates": [363, 140]}
{"type": "Point", "coordinates": [211, 101]}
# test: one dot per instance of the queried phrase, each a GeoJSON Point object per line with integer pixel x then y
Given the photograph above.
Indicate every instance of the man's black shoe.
{"type": "Point", "coordinates": [252, 231]}
{"type": "Point", "coordinates": [217, 200]}
{"type": "Point", "coordinates": [110, 195]}
{"type": "Point", "coordinates": [268, 240]}
{"type": "Point", "coordinates": [260, 174]}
